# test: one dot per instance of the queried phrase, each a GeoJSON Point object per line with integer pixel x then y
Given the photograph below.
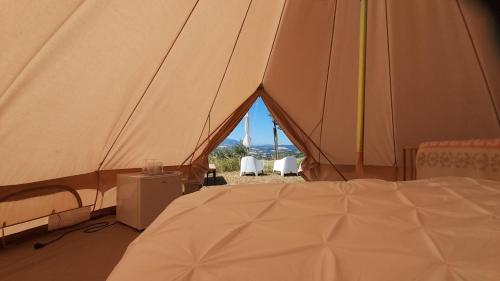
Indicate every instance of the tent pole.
{"type": "Point", "coordinates": [361, 88]}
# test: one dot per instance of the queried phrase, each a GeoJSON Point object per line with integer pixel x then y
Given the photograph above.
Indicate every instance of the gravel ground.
{"type": "Point", "coordinates": [233, 178]}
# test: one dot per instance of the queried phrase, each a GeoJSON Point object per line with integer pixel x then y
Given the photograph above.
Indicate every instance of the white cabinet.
{"type": "Point", "coordinates": [141, 198]}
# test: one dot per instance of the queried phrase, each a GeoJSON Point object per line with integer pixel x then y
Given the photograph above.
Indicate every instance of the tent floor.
{"type": "Point", "coordinates": [77, 256]}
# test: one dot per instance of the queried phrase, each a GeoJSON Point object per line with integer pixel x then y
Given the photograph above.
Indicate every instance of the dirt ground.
{"type": "Point", "coordinates": [234, 178]}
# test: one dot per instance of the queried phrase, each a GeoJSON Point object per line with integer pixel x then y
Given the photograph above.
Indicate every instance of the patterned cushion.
{"type": "Point", "coordinates": [470, 158]}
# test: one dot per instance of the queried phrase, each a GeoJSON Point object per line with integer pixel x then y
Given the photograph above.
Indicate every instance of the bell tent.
{"type": "Point", "coordinates": [90, 89]}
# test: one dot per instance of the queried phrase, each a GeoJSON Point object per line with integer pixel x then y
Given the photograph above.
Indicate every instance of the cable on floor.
{"type": "Point", "coordinates": [95, 227]}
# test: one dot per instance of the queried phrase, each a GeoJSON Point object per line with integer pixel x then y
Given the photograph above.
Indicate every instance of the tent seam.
{"type": "Point", "coordinates": [478, 59]}
{"type": "Point", "coordinates": [37, 53]}
{"type": "Point", "coordinates": [148, 85]}
{"type": "Point", "coordinates": [390, 82]}
{"type": "Point", "coordinates": [274, 40]}
{"type": "Point", "coordinates": [332, 36]}
{"type": "Point", "coordinates": [139, 101]}
{"type": "Point", "coordinates": [218, 127]}
{"type": "Point", "coordinates": [222, 79]}
{"type": "Point", "coordinates": [265, 95]}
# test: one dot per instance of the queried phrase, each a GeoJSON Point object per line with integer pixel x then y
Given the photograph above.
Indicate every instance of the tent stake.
{"type": "Point", "coordinates": [361, 88]}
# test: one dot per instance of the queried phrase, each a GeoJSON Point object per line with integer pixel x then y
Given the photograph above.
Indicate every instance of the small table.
{"type": "Point", "coordinates": [212, 170]}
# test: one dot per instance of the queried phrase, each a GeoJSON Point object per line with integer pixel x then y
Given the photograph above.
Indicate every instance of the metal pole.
{"type": "Point", "coordinates": [361, 87]}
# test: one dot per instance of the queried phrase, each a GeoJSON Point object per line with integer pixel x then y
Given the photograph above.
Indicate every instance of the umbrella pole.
{"type": "Point", "coordinates": [361, 88]}
{"type": "Point", "coordinates": [275, 133]}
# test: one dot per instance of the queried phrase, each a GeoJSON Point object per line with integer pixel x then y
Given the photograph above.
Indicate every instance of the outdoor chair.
{"type": "Point", "coordinates": [251, 165]}
{"type": "Point", "coordinates": [286, 165]}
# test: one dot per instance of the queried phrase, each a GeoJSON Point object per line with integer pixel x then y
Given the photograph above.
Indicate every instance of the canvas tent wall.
{"type": "Point", "coordinates": [90, 88]}
{"type": "Point", "coordinates": [432, 73]}
{"type": "Point", "coordinates": [101, 85]}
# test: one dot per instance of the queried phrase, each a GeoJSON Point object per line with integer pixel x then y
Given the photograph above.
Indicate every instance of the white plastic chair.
{"type": "Point", "coordinates": [251, 165]}
{"type": "Point", "coordinates": [286, 165]}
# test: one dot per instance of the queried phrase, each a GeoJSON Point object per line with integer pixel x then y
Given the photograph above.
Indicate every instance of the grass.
{"type": "Point", "coordinates": [226, 164]}
{"type": "Point", "coordinates": [234, 178]}
{"type": "Point", "coordinates": [228, 159]}
{"type": "Point", "coordinates": [233, 164]}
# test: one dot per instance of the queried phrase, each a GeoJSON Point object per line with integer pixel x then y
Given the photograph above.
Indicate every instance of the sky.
{"type": "Point", "coordinates": [261, 127]}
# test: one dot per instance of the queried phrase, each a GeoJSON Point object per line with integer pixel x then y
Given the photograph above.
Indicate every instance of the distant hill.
{"type": "Point", "coordinates": [269, 148]}
{"type": "Point", "coordinates": [263, 150]}
{"type": "Point", "coordinates": [229, 143]}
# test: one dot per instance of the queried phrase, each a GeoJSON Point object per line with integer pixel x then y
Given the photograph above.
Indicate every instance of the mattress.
{"type": "Point", "coordinates": [435, 229]}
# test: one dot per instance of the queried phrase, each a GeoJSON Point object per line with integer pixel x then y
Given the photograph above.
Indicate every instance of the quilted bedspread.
{"type": "Point", "coordinates": [361, 230]}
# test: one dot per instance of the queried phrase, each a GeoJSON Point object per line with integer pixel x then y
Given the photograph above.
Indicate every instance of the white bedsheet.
{"type": "Point", "coordinates": [362, 230]}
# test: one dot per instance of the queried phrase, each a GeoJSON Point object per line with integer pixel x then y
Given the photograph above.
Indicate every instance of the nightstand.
{"type": "Point", "coordinates": [141, 197]}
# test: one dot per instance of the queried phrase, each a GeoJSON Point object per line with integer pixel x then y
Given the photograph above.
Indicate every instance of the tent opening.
{"type": "Point", "coordinates": [256, 151]}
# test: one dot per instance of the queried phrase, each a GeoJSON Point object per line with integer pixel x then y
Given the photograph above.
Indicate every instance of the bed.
{"type": "Point", "coordinates": [434, 229]}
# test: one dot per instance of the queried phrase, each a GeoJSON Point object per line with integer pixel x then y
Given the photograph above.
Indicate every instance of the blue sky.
{"type": "Point", "coordinates": [261, 127]}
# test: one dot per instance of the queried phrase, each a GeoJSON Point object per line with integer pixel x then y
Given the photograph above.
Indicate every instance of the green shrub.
{"type": "Point", "coordinates": [227, 164]}
{"type": "Point", "coordinates": [228, 159]}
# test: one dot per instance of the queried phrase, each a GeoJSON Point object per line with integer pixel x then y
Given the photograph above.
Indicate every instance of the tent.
{"type": "Point", "coordinates": [90, 89]}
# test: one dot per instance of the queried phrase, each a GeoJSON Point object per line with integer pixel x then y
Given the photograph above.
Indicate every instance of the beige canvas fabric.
{"type": "Point", "coordinates": [102, 74]}
{"type": "Point", "coordinates": [428, 77]}
{"type": "Point", "coordinates": [40, 20]}
{"type": "Point", "coordinates": [60, 108]}
{"type": "Point", "coordinates": [439, 89]}
{"type": "Point", "coordinates": [64, 109]}
{"type": "Point", "coordinates": [362, 229]}
{"type": "Point", "coordinates": [97, 86]}
{"type": "Point", "coordinates": [379, 146]}
{"type": "Point", "coordinates": [32, 200]}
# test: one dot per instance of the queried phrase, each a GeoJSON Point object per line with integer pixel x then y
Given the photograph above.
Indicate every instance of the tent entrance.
{"type": "Point", "coordinates": [259, 136]}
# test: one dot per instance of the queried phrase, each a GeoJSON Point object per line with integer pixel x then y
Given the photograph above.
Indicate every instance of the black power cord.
{"type": "Point", "coordinates": [91, 228]}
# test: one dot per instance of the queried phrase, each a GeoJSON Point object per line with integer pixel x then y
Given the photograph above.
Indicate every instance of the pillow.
{"type": "Point", "coordinates": [478, 158]}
